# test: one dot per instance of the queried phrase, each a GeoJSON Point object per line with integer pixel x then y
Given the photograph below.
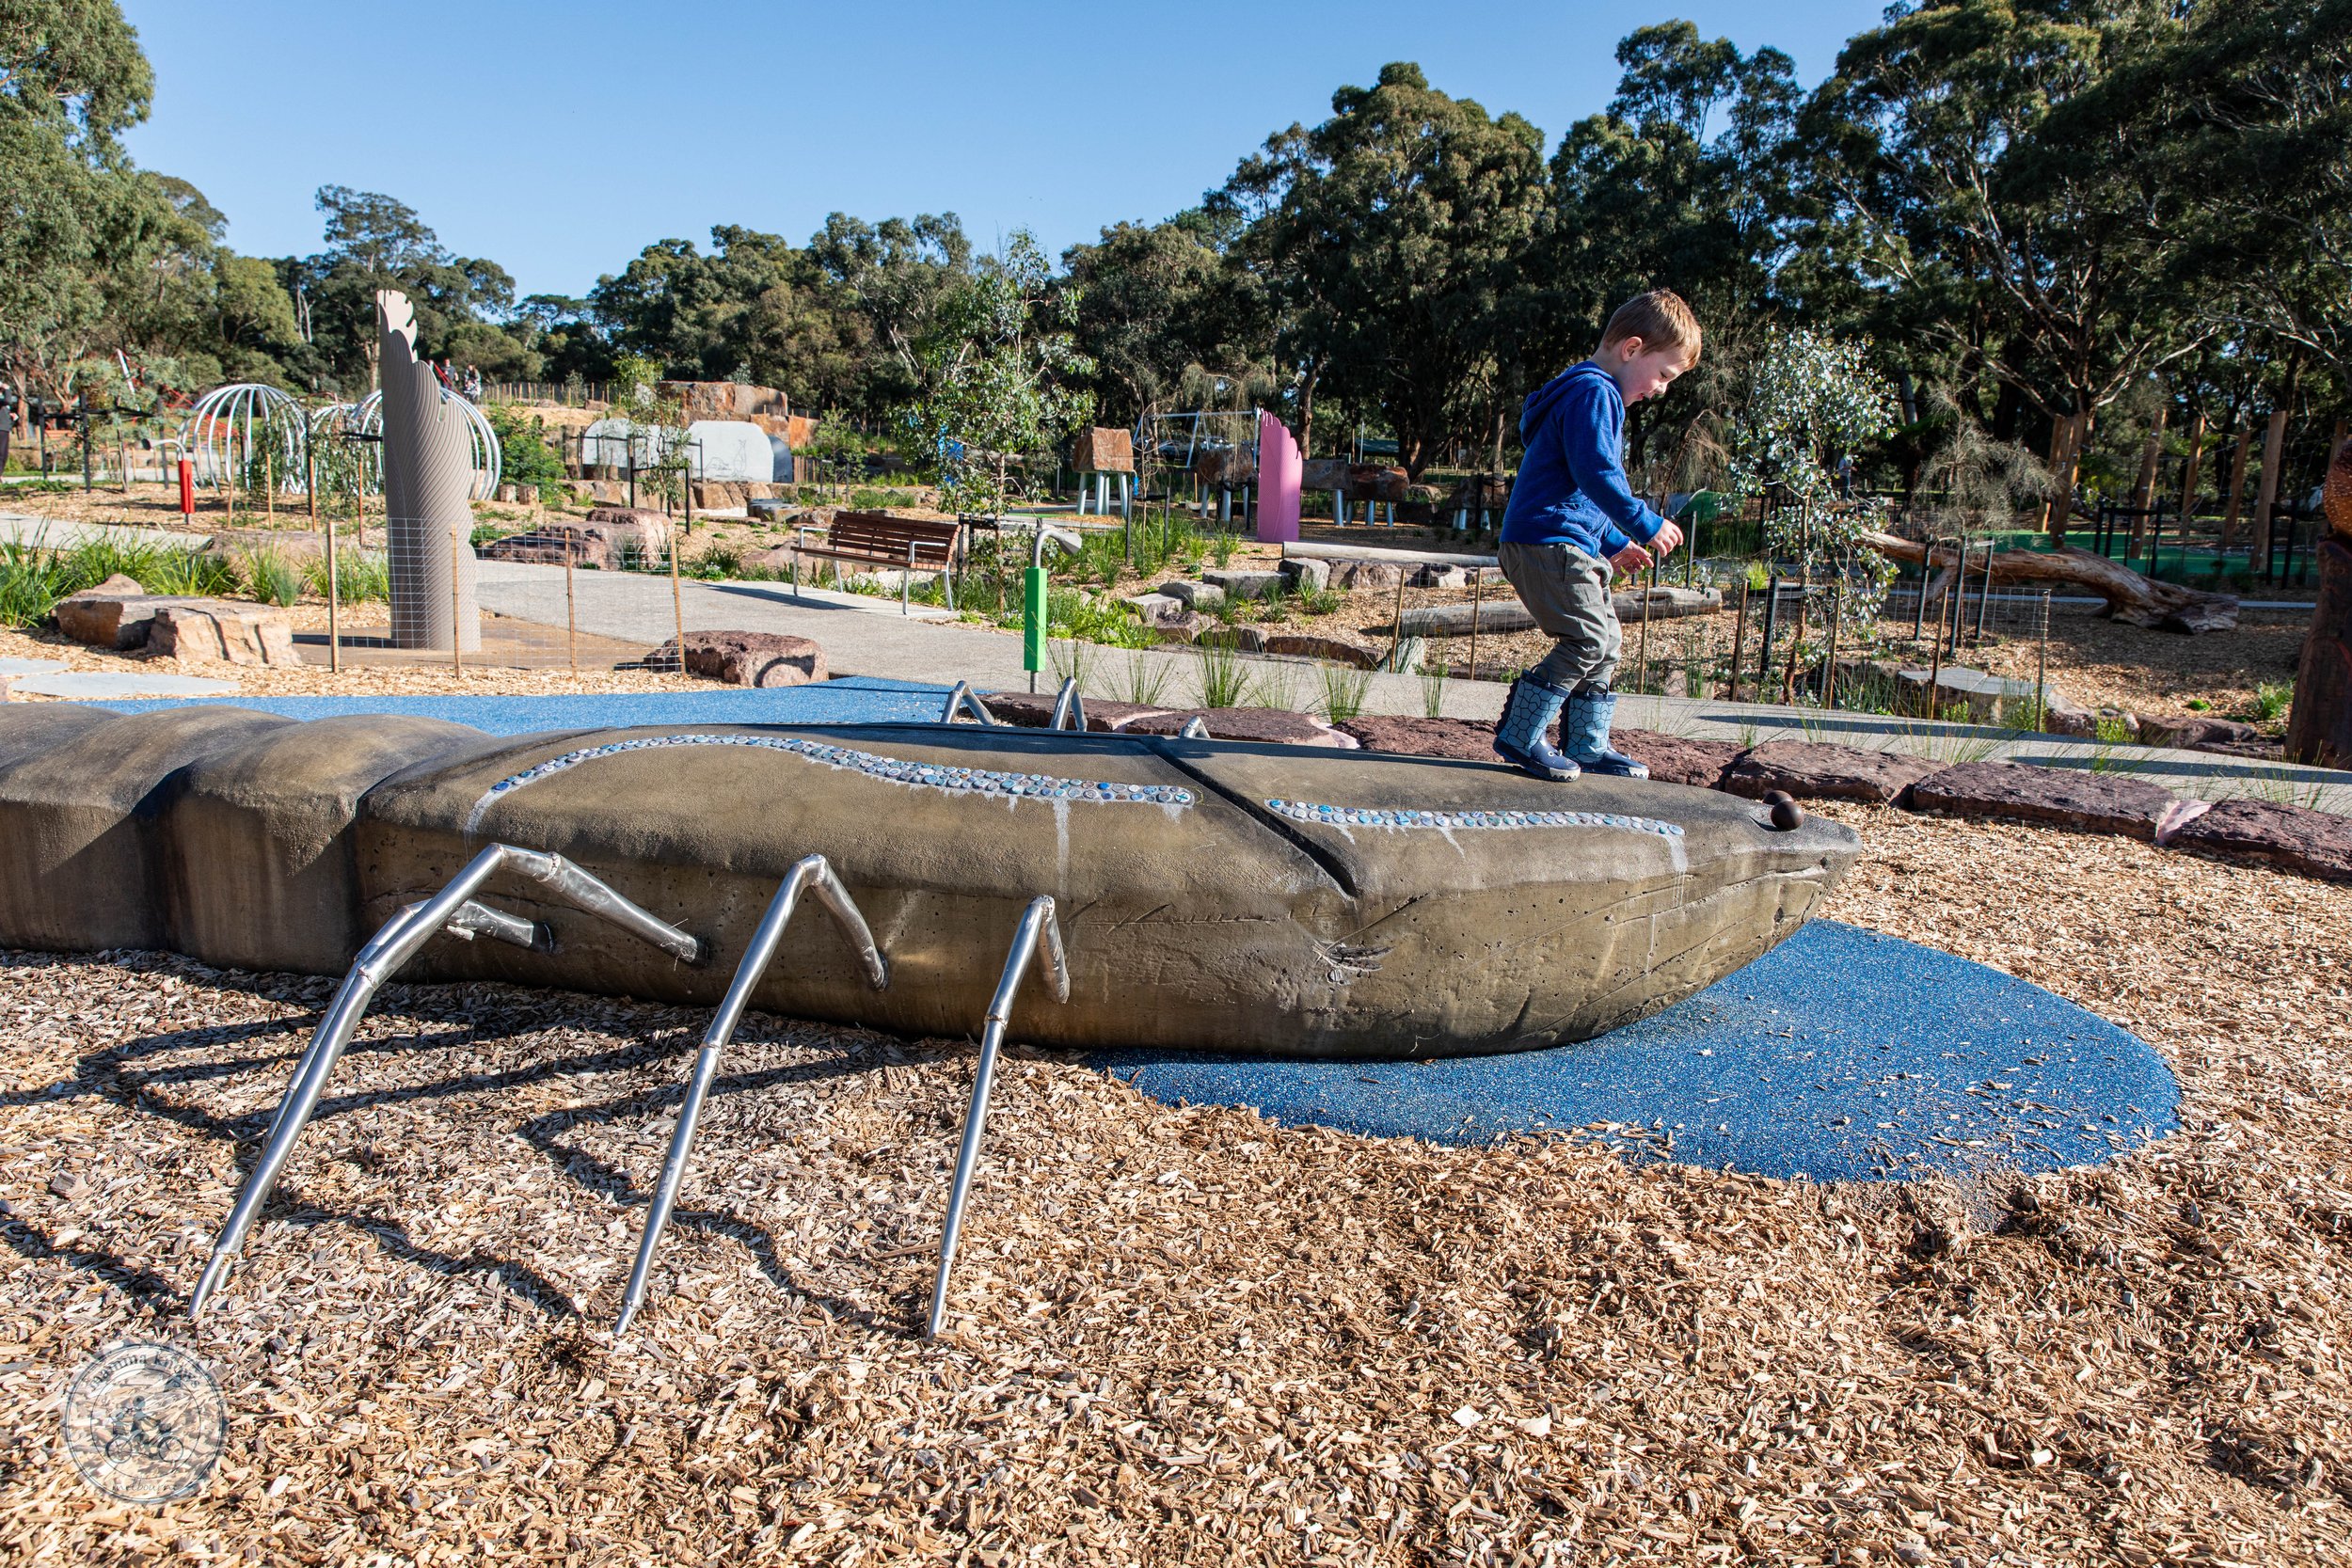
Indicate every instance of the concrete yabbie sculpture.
{"type": "Point", "coordinates": [1167, 892]}
{"type": "Point", "coordinates": [428, 474]}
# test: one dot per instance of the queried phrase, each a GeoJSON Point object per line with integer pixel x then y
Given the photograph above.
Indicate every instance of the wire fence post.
{"type": "Point", "coordinates": [1478, 591]}
{"type": "Point", "coordinates": [1739, 642]}
{"type": "Point", "coordinates": [334, 602]}
{"type": "Point", "coordinates": [2042, 669]}
{"type": "Point", "coordinates": [571, 609]}
{"type": "Point", "coordinates": [1641, 676]}
{"type": "Point", "coordinates": [677, 605]}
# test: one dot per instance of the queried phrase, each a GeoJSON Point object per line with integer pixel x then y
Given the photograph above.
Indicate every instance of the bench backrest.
{"type": "Point", "coordinates": [883, 535]}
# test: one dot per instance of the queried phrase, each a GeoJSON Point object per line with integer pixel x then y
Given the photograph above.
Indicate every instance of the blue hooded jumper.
{"type": "Point", "coordinates": [1571, 487]}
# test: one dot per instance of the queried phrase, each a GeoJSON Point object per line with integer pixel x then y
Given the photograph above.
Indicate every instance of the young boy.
{"type": "Point", "coordinates": [1571, 520]}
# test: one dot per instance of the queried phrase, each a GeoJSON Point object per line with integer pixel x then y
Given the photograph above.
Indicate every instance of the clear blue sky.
{"type": "Point", "coordinates": [560, 139]}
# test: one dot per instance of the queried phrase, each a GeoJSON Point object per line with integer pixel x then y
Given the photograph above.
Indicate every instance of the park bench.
{"type": "Point", "coordinates": [877, 539]}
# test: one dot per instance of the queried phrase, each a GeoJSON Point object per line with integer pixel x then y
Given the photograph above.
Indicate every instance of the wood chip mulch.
{"type": "Point", "coordinates": [1185, 1335]}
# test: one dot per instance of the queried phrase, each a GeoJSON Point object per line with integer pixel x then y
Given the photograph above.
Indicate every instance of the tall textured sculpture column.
{"type": "Point", "coordinates": [428, 470]}
{"type": "Point", "coordinates": [2319, 728]}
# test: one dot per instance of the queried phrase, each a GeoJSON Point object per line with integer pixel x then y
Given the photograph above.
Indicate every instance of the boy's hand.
{"type": "Point", "coordinates": [1631, 560]}
{"type": "Point", "coordinates": [1666, 540]}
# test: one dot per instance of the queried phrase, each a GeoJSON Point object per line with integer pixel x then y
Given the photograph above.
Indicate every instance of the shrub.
{"type": "Point", "coordinates": [275, 578]}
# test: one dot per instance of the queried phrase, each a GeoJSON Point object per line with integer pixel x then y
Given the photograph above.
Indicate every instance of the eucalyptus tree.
{"type": "Point", "coordinates": [1392, 238]}
{"type": "Point", "coordinates": [1993, 205]}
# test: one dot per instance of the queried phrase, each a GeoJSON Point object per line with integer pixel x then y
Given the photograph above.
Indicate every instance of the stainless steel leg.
{"type": "Point", "coordinates": [1037, 925]}
{"type": "Point", "coordinates": [961, 697]}
{"type": "Point", "coordinates": [382, 958]}
{"type": "Point", "coordinates": [809, 870]}
{"type": "Point", "coordinates": [1069, 708]}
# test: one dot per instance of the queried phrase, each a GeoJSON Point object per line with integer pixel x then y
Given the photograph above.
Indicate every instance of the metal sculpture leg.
{"type": "Point", "coordinates": [1037, 925]}
{"type": "Point", "coordinates": [959, 697]}
{"type": "Point", "coordinates": [378, 961]}
{"type": "Point", "coordinates": [470, 920]}
{"type": "Point", "coordinates": [811, 870]}
{"type": "Point", "coordinates": [1069, 708]}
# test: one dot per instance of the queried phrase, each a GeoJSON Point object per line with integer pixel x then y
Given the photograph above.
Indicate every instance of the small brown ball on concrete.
{"type": "Point", "coordinates": [1787, 815]}
{"type": "Point", "coordinates": [1774, 797]}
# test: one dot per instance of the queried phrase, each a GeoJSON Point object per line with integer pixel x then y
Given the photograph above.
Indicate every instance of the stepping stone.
{"type": "Point", "coordinates": [1304, 574]}
{"type": "Point", "coordinates": [757, 658]}
{"type": "Point", "coordinates": [1279, 726]}
{"type": "Point", "coordinates": [2061, 797]}
{"type": "Point", "coordinates": [1308, 645]}
{"type": "Point", "coordinates": [1813, 771]}
{"type": "Point", "coordinates": [30, 666]}
{"type": "Point", "coordinates": [2295, 838]}
{"type": "Point", "coordinates": [1245, 585]}
{"type": "Point", "coordinates": [1462, 739]}
{"type": "Point", "coordinates": [1203, 594]}
{"type": "Point", "coordinates": [97, 684]}
{"type": "Point", "coordinates": [1672, 759]}
{"type": "Point", "coordinates": [1034, 710]}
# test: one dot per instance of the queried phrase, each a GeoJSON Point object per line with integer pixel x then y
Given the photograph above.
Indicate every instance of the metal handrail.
{"type": "Point", "coordinates": [1194, 728]}
{"type": "Point", "coordinates": [960, 696]}
{"type": "Point", "coordinates": [1069, 708]}
{"type": "Point", "coordinates": [1037, 925]}
{"type": "Point", "coordinates": [378, 961]}
{"type": "Point", "coordinates": [809, 872]}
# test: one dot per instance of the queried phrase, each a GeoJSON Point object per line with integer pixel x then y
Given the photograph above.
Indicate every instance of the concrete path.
{"type": "Point", "coordinates": [23, 527]}
{"type": "Point", "coordinates": [867, 636]}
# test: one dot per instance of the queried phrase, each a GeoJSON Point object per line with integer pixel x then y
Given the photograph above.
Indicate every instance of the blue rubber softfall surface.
{"type": "Point", "coordinates": [1840, 1055]}
{"type": "Point", "coordinates": [856, 700]}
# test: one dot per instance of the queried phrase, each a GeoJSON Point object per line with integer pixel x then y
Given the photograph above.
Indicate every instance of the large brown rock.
{"type": "Point", "coordinates": [1035, 711]}
{"type": "Point", "coordinates": [2295, 838]}
{"type": "Point", "coordinates": [1332, 650]}
{"type": "Point", "coordinates": [748, 657]}
{"type": "Point", "coordinates": [1273, 725]}
{"type": "Point", "coordinates": [624, 527]}
{"type": "Point", "coordinates": [78, 841]}
{"type": "Point", "coordinates": [256, 864]}
{"type": "Point", "coordinates": [555, 545]}
{"type": "Point", "coordinates": [1461, 739]}
{"type": "Point", "coordinates": [106, 617]}
{"type": "Point", "coordinates": [2061, 797]}
{"type": "Point", "coordinates": [1811, 770]}
{"type": "Point", "coordinates": [215, 631]}
{"type": "Point", "coordinates": [1675, 759]}
{"type": "Point", "coordinates": [2194, 732]}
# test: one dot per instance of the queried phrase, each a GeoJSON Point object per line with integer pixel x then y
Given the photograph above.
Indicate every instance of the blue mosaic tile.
{"type": "Point", "coordinates": [1369, 817]}
{"type": "Point", "coordinates": [927, 775]}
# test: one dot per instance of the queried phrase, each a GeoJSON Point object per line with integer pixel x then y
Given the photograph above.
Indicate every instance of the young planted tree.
{"type": "Point", "coordinates": [1001, 377]}
{"type": "Point", "coordinates": [1811, 401]}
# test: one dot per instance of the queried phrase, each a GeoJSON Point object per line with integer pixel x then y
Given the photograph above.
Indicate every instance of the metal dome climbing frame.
{"type": "Point", "coordinates": [235, 423]}
{"type": "Point", "coordinates": [368, 419]}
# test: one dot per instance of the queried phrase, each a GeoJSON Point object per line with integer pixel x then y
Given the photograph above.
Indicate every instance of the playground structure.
{"type": "Point", "coordinates": [1216, 903]}
{"type": "Point", "coordinates": [233, 428]}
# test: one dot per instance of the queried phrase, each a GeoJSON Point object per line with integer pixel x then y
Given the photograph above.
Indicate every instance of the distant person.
{"type": "Point", "coordinates": [474, 385]}
{"type": "Point", "coordinates": [1571, 519]}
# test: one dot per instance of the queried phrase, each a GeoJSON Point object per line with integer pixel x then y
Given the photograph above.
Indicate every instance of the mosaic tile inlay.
{"type": "Point", "coordinates": [1367, 816]}
{"type": "Point", "coordinates": [972, 781]}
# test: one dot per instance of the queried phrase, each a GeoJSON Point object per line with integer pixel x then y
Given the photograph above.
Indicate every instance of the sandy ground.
{"type": "Point", "coordinates": [1187, 1335]}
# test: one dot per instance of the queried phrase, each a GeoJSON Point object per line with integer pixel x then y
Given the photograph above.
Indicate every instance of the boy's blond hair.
{"type": "Point", "coordinates": [1659, 317]}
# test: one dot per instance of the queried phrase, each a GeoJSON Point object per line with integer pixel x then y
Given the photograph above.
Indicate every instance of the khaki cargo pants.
{"type": "Point", "coordinates": [1567, 593]}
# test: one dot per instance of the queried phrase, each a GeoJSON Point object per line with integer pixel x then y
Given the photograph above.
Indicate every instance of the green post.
{"type": "Point", "coordinates": [1033, 622]}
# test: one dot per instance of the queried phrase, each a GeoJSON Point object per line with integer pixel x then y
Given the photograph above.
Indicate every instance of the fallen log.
{"type": "Point", "coordinates": [2130, 598]}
